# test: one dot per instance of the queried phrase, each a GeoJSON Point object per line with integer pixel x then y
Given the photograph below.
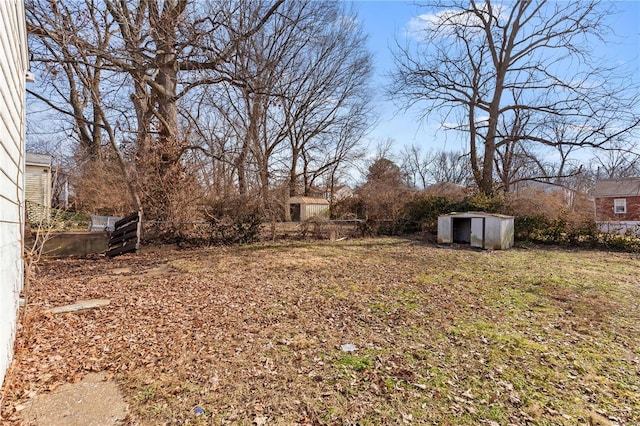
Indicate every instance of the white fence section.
{"type": "Point", "coordinates": [102, 223]}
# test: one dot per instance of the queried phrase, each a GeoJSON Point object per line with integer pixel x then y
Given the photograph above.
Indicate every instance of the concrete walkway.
{"type": "Point", "coordinates": [94, 401]}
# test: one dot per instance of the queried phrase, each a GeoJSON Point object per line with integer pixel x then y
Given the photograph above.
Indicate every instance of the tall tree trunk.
{"type": "Point", "coordinates": [241, 168]}
{"type": "Point", "coordinates": [293, 173]}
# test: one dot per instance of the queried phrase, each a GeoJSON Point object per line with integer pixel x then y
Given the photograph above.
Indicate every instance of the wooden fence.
{"type": "Point", "coordinates": [126, 236]}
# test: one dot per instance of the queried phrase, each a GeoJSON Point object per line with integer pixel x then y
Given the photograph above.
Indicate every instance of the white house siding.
{"type": "Point", "coordinates": [13, 66]}
{"type": "Point", "coordinates": [622, 227]}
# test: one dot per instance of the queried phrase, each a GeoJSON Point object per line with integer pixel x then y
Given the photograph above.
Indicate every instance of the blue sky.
{"type": "Point", "coordinates": [383, 21]}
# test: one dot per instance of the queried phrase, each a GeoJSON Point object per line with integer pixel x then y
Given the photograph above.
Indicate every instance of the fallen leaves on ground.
{"type": "Point", "coordinates": [253, 335]}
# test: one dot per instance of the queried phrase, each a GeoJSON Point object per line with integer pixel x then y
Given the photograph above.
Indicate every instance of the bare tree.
{"type": "Point", "coordinates": [326, 105]}
{"type": "Point", "coordinates": [622, 160]}
{"type": "Point", "coordinates": [70, 74]}
{"type": "Point", "coordinates": [58, 33]}
{"type": "Point", "coordinates": [513, 162]}
{"type": "Point", "coordinates": [304, 104]}
{"type": "Point", "coordinates": [416, 166]}
{"type": "Point", "coordinates": [471, 57]}
{"type": "Point", "coordinates": [148, 57]}
{"type": "Point", "coordinates": [432, 167]}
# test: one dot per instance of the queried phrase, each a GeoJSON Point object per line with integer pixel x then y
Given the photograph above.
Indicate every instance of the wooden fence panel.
{"type": "Point", "coordinates": [126, 236]}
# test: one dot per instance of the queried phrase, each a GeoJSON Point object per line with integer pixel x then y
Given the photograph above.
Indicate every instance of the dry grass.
{"type": "Point", "coordinates": [252, 335]}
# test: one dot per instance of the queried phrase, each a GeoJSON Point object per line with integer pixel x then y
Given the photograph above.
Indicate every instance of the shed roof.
{"type": "Point", "coordinates": [624, 187]}
{"type": "Point", "coordinates": [307, 200]}
{"type": "Point", "coordinates": [478, 214]}
{"type": "Point", "coordinates": [32, 159]}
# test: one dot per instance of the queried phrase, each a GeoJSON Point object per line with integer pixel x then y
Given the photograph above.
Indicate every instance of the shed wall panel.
{"type": "Point", "coordinates": [507, 233]}
{"type": "Point", "coordinates": [492, 231]}
{"type": "Point", "coordinates": [477, 232]}
{"type": "Point", "coordinates": [445, 234]}
{"type": "Point", "coordinates": [314, 210]}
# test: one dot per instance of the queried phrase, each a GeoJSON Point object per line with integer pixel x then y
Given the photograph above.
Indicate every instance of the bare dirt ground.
{"type": "Point", "coordinates": [264, 334]}
{"type": "Point", "coordinates": [93, 401]}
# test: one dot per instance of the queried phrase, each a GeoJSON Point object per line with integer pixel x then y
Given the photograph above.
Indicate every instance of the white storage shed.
{"type": "Point", "coordinates": [476, 229]}
{"type": "Point", "coordinates": [299, 209]}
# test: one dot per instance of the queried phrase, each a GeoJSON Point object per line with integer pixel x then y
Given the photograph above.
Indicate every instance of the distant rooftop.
{"type": "Point", "coordinates": [32, 159]}
{"type": "Point", "coordinates": [618, 187]}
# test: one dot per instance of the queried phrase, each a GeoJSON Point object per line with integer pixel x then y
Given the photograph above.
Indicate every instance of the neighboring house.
{"type": "Point", "coordinates": [13, 71]}
{"type": "Point", "coordinates": [38, 186]}
{"type": "Point", "coordinates": [617, 205]}
{"type": "Point", "coordinates": [340, 192]}
{"type": "Point", "coordinates": [299, 209]}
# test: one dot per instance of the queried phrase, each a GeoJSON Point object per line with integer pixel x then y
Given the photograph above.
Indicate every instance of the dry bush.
{"type": "Point", "coordinates": [170, 191]}
{"type": "Point", "coordinates": [101, 189]}
{"type": "Point", "coordinates": [448, 190]}
{"type": "Point", "coordinates": [572, 207]}
{"type": "Point", "coordinates": [234, 220]}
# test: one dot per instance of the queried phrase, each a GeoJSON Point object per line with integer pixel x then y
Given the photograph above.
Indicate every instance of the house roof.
{"type": "Point", "coordinates": [307, 200]}
{"type": "Point", "coordinates": [32, 159]}
{"type": "Point", "coordinates": [625, 187]}
{"type": "Point", "coordinates": [341, 188]}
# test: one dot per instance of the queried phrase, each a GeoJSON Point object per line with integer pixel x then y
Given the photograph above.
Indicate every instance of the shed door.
{"type": "Point", "coordinates": [294, 211]}
{"type": "Point", "coordinates": [477, 232]}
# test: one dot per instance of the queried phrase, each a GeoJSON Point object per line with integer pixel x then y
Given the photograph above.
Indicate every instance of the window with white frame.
{"type": "Point", "coordinates": [620, 205]}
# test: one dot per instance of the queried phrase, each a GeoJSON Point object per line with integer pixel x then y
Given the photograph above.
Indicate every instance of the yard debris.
{"type": "Point", "coordinates": [348, 347]}
{"type": "Point", "coordinates": [80, 305]}
{"type": "Point", "coordinates": [260, 420]}
{"type": "Point", "coordinates": [468, 394]}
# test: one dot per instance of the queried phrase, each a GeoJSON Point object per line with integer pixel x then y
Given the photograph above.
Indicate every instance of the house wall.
{"type": "Point", "coordinates": [37, 185]}
{"type": "Point", "coordinates": [604, 209]}
{"type": "Point", "coordinates": [13, 65]}
{"type": "Point", "coordinates": [37, 192]}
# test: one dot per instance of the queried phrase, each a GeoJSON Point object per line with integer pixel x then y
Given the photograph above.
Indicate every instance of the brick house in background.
{"type": "Point", "coordinates": [617, 205]}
